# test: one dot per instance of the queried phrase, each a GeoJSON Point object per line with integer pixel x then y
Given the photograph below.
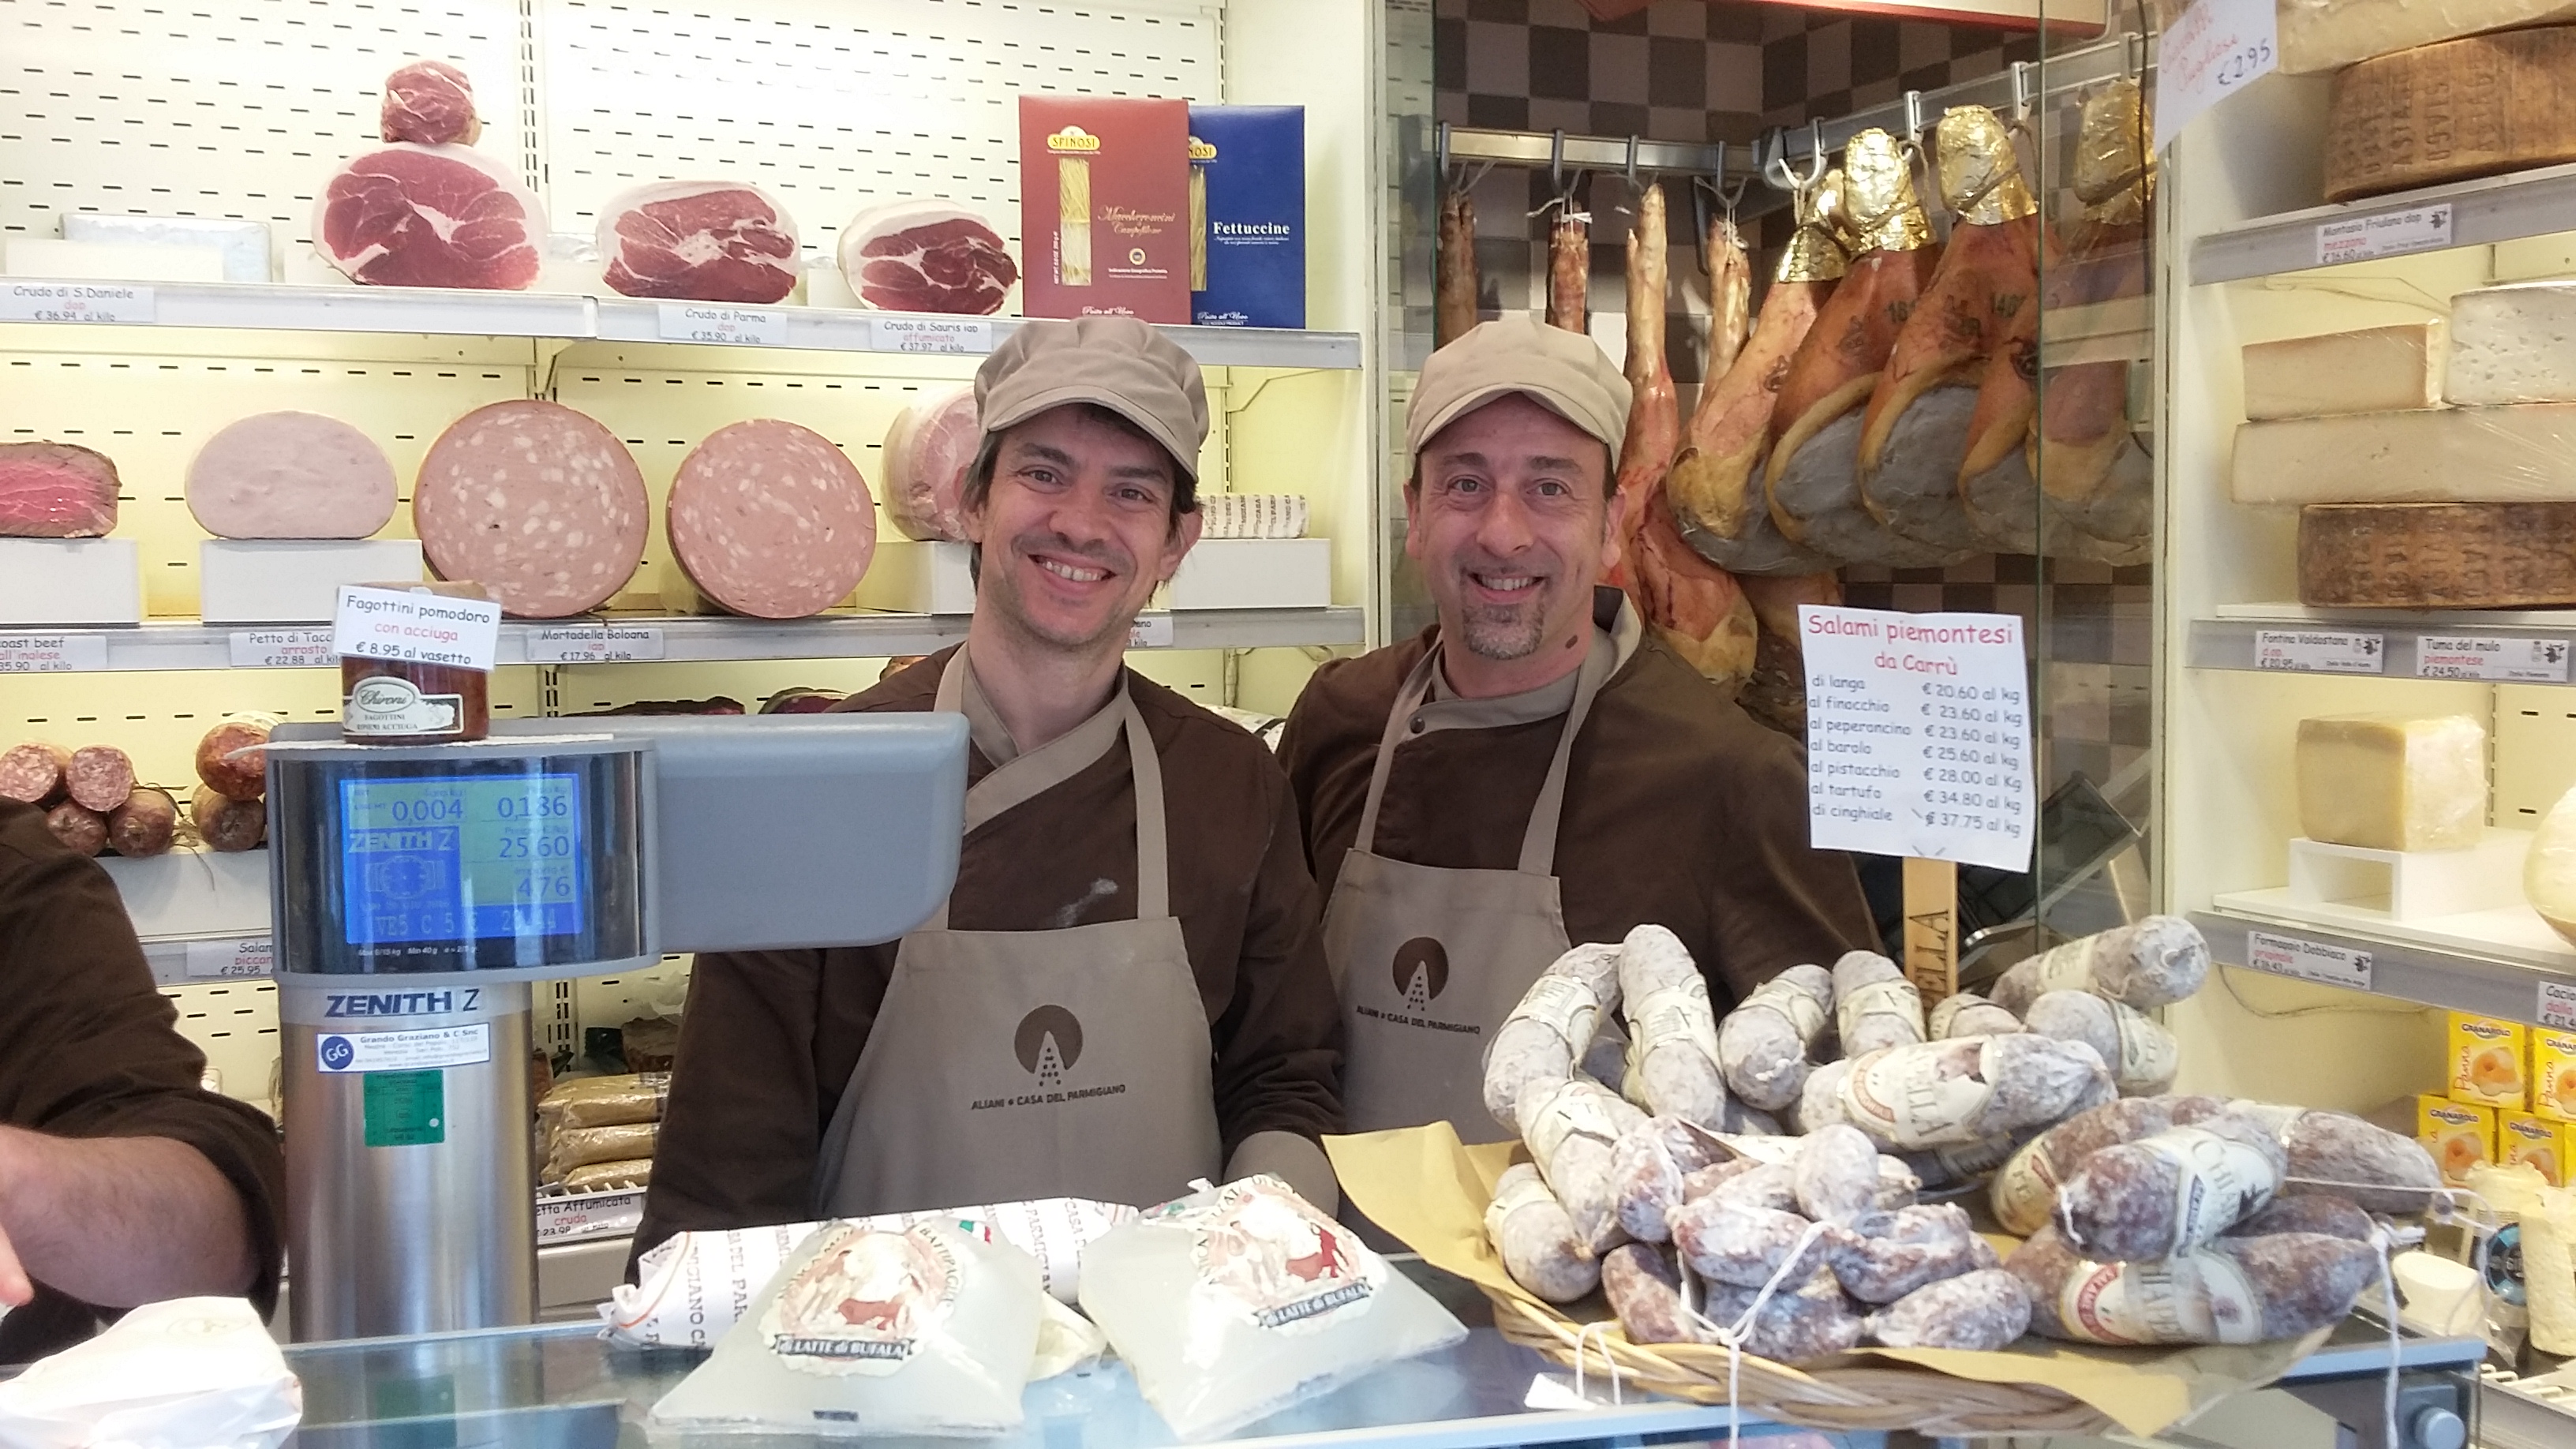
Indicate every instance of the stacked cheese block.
{"type": "Point", "coordinates": [2424, 93]}
{"type": "Point", "coordinates": [2422, 486]}
{"type": "Point", "coordinates": [1782, 1152]}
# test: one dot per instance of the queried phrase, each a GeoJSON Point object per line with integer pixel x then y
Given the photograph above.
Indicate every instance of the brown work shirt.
{"type": "Point", "coordinates": [1679, 809]}
{"type": "Point", "coordinates": [770, 1038]}
{"type": "Point", "coordinates": [89, 1049]}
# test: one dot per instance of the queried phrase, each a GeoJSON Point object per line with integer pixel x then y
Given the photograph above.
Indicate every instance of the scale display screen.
{"type": "Point", "coordinates": [447, 858]}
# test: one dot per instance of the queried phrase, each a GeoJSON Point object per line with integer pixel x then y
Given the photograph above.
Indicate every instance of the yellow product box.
{"type": "Point", "coordinates": [2522, 1137]}
{"type": "Point", "coordinates": [2487, 1062]}
{"type": "Point", "coordinates": [2460, 1135]}
{"type": "Point", "coordinates": [2553, 1073]}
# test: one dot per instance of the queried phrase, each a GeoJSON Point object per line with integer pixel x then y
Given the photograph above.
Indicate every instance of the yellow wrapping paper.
{"type": "Point", "coordinates": [1429, 1190]}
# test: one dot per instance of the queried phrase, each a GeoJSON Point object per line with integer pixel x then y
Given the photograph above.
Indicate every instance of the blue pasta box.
{"type": "Point", "coordinates": [1248, 216]}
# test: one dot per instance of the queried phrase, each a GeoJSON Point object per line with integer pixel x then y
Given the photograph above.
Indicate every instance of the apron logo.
{"type": "Point", "coordinates": [1421, 971]}
{"type": "Point", "coordinates": [1049, 1042]}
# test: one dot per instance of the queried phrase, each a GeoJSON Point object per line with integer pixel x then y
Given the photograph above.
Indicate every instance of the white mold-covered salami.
{"type": "Point", "coordinates": [1972, 1090]}
{"type": "Point", "coordinates": [770, 520]}
{"type": "Point", "coordinates": [535, 502]}
{"type": "Point", "coordinates": [1836, 1174]}
{"type": "Point", "coordinates": [2155, 962]}
{"type": "Point", "coordinates": [2236, 1290]}
{"type": "Point", "coordinates": [1536, 1240]}
{"type": "Point", "coordinates": [2340, 1154]}
{"type": "Point", "coordinates": [2143, 1055]}
{"type": "Point", "coordinates": [1874, 1005]}
{"type": "Point", "coordinates": [1885, 1256]}
{"type": "Point", "coordinates": [1672, 1029]}
{"type": "Point", "coordinates": [290, 475]}
{"type": "Point", "coordinates": [1820, 1101]}
{"type": "Point", "coordinates": [1981, 1311]}
{"type": "Point", "coordinates": [1571, 1128]}
{"type": "Point", "coordinates": [928, 451]}
{"type": "Point", "coordinates": [1732, 1242]}
{"type": "Point", "coordinates": [1794, 1326]}
{"type": "Point", "coordinates": [2170, 1191]}
{"type": "Point", "coordinates": [1764, 1043]}
{"type": "Point", "coordinates": [2025, 1190]}
{"type": "Point", "coordinates": [1966, 1013]}
{"type": "Point", "coordinates": [1553, 1024]}
{"type": "Point", "coordinates": [1650, 1163]}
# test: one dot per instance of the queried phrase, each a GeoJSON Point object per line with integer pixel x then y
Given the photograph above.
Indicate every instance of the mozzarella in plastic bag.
{"type": "Point", "coordinates": [1237, 1301]}
{"type": "Point", "coordinates": [925, 1330]}
{"type": "Point", "coordinates": [189, 1373]}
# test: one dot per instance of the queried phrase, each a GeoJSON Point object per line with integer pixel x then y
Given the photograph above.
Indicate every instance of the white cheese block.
{"type": "Point", "coordinates": [2387, 782]}
{"type": "Point", "coordinates": [2549, 871]}
{"type": "Point", "coordinates": [2323, 35]}
{"type": "Point", "coordinates": [2513, 344]}
{"type": "Point", "coordinates": [243, 243]}
{"type": "Point", "coordinates": [2521, 454]}
{"type": "Point", "coordinates": [2372, 370]}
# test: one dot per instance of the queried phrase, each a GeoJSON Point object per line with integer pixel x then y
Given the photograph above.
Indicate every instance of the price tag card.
{"type": "Point", "coordinates": [2558, 1004]}
{"type": "Point", "coordinates": [1151, 631]}
{"type": "Point", "coordinates": [589, 1215]}
{"type": "Point", "coordinates": [931, 334]}
{"type": "Point", "coordinates": [2210, 52]}
{"type": "Point", "coordinates": [604, 645]}
{"type": "Point", "coordinates": [2307, 960]}
{"type": "Point", "coordinates": [52, 653]}
{"type": "Point", "coordinates": [416, 627]}
{"type": "Point", "coordinates": [282, 648]}
{"type": "Point", "coordinates": [2316, 652]}
{"type": "Point", "coordinates": [2384, 234]}
{"type": "Point", "coordinates": [76, 302]}
{"type": "Point", "coordinates": [2508, 661]}
{"type": "Point", "coordinates": [219, 960]}
{"type": "Point", "coordinates": [714, 322]}
{"type": "Point", "coordinates": [1919, 735]}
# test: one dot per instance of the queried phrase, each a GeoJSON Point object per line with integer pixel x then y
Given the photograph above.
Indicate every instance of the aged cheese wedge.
{"type": "Point", "coordinates": [2523, 454]}
{"type": "Point", "coordinates": [2371, 370]}
{"type": "Point", "coordinates": [2388, 782]}
{"type": "Point", "coordinates": [2437, 555]}
{"type": "Point", "coordinates": [2513, 344]}
{"type": "Point", "coordinates": [2323, 35]}
{"type": "Point", "coordinates": [2549, 871]}
{"type": "Point", "coordinates": [2475, 107]}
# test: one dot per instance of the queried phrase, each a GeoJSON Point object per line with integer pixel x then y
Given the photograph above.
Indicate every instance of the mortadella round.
{"type": "Point", "coordinates": [535, 502]}
{"type": "Point", "coordinates": [769, 519]}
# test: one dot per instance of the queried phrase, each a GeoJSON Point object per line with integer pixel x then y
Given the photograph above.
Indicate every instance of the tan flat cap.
{"type": "Point", "coordinates": [1565, 372]}
{"type": "Point", "coordinates": [1117, 362]}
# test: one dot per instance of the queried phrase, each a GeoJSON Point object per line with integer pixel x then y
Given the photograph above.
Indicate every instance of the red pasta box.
{"type": "Point", "coordinates": [1104, 207]}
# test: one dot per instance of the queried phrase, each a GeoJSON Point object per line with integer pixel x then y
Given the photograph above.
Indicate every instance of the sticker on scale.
{"type": "Point", "coordinates": [403, 1051]}
{"type": "Point", "coordinates": [2315, 651]}
{"type": "Point", "coordinates": [2307, 960]}
{"type": "Point", "coordinates": [2505, 661]}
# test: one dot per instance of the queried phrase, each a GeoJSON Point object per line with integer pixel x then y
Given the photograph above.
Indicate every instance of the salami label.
{"type": "Point", "coordinates": [2148, 1052]}
{"type": "Point", "coordinates": [2025, 1191]}
{"type": "Point", "coordinates": [2064, 968]}
{"type": "Point", "coordinates": [1806, 1014]}
{"type": "Point", "coordinates": [1894, 996]}
{"type": "Point", "coordinates": [2218, 1181]}
{"type": "Point", "coordinates": [1920, 1096]}
{"type": "Point", "coordinates": [864, 1302]}
{"type": "Point", "coordinates": [1565, 1005]}
{"type": "Point", "coordinates": [1576, 1109]}
{"type": "Point", "coordinates": [2188, 1298]}
{"type": "Point", "coordinates": [1262, 1253]}
{"type": "Point", "coordinates": [1525, 1190]}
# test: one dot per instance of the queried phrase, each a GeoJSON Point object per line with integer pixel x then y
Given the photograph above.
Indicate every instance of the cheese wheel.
{"type": "Point", "coordinates": [290, 475]}
{"type": "Point", "coordinates": [2480, 106]}
{"type": "Point", "coordinates": [2437, 555]}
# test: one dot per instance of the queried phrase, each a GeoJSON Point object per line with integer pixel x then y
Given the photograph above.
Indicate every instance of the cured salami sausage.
{"type": "Point", "coordinates": [1965, 1013]}
{"type": "Point", "coordinates": [1836, 1174]}
{"type": "Point", "coordinates": [1569, 270]}
{"type": "Point", "coordinates": [1981, 1311]}
{"type": "Point", "coordinates": [1970, 1091]}
{"type": "Point", "coordinates": [290, 475]}
{"type": "Point", "coordinates": [928, 451]}
{"type": "Point", "coordinates": [1552, 1025]}
{"type": "Point", "coordinates": [1454, 303]}
{"type": "Point", "coordinates": [78, 827]}
{"type": "Point", "coordinates": [2340, 1154]}
{"type": "Point", "coordinates": [1646, 1293]}
{"type": "Point", "coordinates": [537, 503]}
{"type": "Point", "coordinates": [33, 772]}
{"type": "Point", "coordinates": [230, 760]}
{"type": "Point", "coordinates": [2144, 1056]}
{"type": "Point", "coordinates": [1572, 1128]}
{"type": "Point", "coordinates": [225, 823]}
{"type": "Point", "coordinates": [2155, 962]}
{"type": "Point", "coordinates": [2025, 1190]}
{"type": "Point", "coordinates": [99, 777]}
{"type": "Point", "coordinates": [145, 824]}
{"type": "Point", "coordinates": [2236, 1290]}
{"type": "Point", "coordinates": [1762, 1045]}
{"type": "Point", "coordinates": [1672, 1029]}
{"type": "Point", "coordinates": [770, 520]}
{"type": "Point", "coordinates": [2172, 1191]}
{"type": "Point", "coordinates": [1874, 1005]}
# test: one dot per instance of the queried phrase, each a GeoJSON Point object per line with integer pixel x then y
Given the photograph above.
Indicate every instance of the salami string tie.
{"type": "Point", "coordinates": [1583, 1336]}
{"type": "Point", "coordinates": [1733, 1335]}
{"type": "Point", "coordinates": [2380, 1239]}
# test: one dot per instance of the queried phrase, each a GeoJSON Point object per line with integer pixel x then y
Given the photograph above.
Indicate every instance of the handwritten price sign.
{"type": "Point", "coordinates": [2216, 48]}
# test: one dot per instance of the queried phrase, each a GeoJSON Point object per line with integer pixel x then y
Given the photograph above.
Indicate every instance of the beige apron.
{"type": "Point", "coordinates": [1428, 961]}
{"type": "Point", "coordinates": [1017, 1064]}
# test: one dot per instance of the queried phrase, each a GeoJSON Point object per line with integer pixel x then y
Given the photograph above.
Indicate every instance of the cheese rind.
{"type": "Point", "coordinates": [2513, 344]}
{"type": "Point", "coordinates": [2323, 35]}
{"type": "Point", "coordinates": [2523, 454]}
{"type": "Point", "coordinates": [2437, 555]}
{"type": "Point", "coordinates": [2388, 782]}
{"type": "Point", "coordinates": [2371, 370]}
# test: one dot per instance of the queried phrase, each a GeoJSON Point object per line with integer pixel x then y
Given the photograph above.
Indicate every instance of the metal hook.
{"type": "Point", "coordinates": [2133, 58]}
{"type": "Point", "coordinates": [1440, 151]}
{"type": "Point", "coordinates": [1556, 161]}
{"type": "Point", "coordinates": [2025, 88]}
{"type": "Point", "coordinates": [1632, 161]}
{"type": "Point", "coordinates": [1914, 118]}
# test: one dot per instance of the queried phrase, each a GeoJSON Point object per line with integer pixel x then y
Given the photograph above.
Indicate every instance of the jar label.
{"type": "Point", "coordinates": [386, 705]}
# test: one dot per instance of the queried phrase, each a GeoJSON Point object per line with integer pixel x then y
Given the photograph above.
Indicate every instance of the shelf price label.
{"type": "Point", "coordinates": [607, 645]}
{"type": "Point", "coordinates": [589, 1215]}
{"type": "Point", "coordinates": [2313, 651]}
{"type": "Point", "coordinates": [52, 653]}
{"type": "Point", "coordinates": [420, 627]}
{"type": "Point", "coordinates": [2506, 661]}
{"type": "Point", "coordinates": [2384, 234]}
{"type": "Point", "coordinates": [2210, 52]}
{"type": "Point", "coordinates": [245, 956]}
{"type": "Point", "coordinates": [1151, 631]}
{"type": "Point", "coordinates": [2307, 960]}
{"type": "Point", "coordinates": [730, 326]}
{"type": "Point", "coordinates": [281, 648]}
{"type": "Point", "coordinates": [2558, 1004]}
{"type": "Point", "coordinates": [931, 334]}
{"type": "Point", "coordinates": [1919, 735]}
{"type": "Point", "coordinates": [76, 302]}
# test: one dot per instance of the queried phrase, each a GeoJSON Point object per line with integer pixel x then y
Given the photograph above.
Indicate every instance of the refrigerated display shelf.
{"type": "Point", "coordinates": [2473, 213]}
{"type": "Point", "coordinates": [2490, 963]}
{"type": "Point", "coordinates": [574, 317]}
{"type": "Point", "coordinates": [2532, 646]}
{"type": "Point", "coordinates": [640, 638]}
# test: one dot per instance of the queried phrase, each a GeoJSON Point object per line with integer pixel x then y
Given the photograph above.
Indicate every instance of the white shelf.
{"type": "Point", "coordinates": [2487, 210]}
{"type": "Point", "coordinates": [2492, 963]}
{"type": "Point", "coordinates": [577, 318]}
{"type": "Point", "coordinates": [183, 645]}
{"type": "Point", "coordinates": [2229, 641]}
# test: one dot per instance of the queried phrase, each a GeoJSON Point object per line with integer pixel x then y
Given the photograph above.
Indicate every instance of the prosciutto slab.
{"type": "Point", "coordinates": [429, 216]}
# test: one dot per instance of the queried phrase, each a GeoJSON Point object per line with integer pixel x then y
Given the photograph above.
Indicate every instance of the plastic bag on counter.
{"type": "Point", "coordinates": [1236, 1301]}
{"type": "Point", "coordinates": [926, 1330]}
{"type": "Point", "coordinates": [191, 1373]}
{"type": "Point", "coordinates": [605, 1101]}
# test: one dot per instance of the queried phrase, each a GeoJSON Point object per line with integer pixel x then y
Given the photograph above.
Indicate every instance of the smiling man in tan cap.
{"type": "Point", "coordinates": [1126, 989]}
{"type": "Point", "coordinates": [1536, 768]}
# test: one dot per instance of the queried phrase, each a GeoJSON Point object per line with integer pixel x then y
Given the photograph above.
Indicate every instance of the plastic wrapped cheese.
{"type": "Point", "coordinates": [1236, 1301]}
{"type": "Point", "coordinates": [2387, 782]}
{"type": "Point", "coordinates": [2513, 344]}
{"type": "Point", "coordinates": [2520, 454]}
{"type": "Point", "coordinates": [925, 1330]}
{"type": "Point", "coordinates": [2369, 370]}
{"type": "Point", "coordinates": [2549, 871]}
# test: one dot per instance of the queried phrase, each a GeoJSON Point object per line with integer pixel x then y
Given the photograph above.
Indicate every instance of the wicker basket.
{"type": "Point", "coordinates": [1859, 1396]}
